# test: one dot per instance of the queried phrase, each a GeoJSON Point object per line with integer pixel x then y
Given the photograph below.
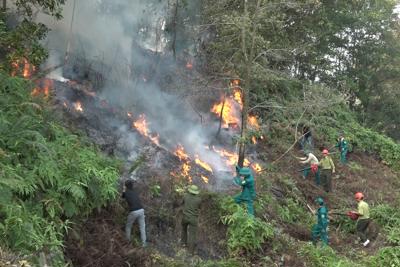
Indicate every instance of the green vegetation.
{"type": "Point", "coordinates": [244, 234]}
{"type": "Point", "coordinates": [48, 175]}
{"type": "Point", "coordinates": [325, 256]}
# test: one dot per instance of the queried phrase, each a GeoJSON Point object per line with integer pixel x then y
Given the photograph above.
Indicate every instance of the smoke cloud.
{"type": "Point", "coordinates": [126, 42]}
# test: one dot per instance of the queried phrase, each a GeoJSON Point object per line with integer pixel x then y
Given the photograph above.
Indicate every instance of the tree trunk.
{"type": "Point", "coordinates": [220, 117]}
{"type": "Point", "coordinates": [175, 17]}
{"type": "Point", "coordinates": [249, 57]}
{"type": "Point", "coordinates": [4, 4]}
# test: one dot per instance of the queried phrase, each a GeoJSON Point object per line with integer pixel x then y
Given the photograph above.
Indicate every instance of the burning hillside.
{"type": "Point", "coordinates": [109, 125]}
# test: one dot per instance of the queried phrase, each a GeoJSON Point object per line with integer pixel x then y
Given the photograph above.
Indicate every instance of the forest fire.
{"type": "Point", "coordinates": [252, 121]}
{"type": "Point", "coordinates": [27, 68]}
{"type": "Point", "coordinates": [180, 153]}
{"type": "Point", "coordinates": [186, 171]}
{"type": "Point", "coordinates": [43, 89]}
{"type": "Point", "coordinates": [256, 167]}
{"type": "Point", "coordinates": [203, 164]}
{"type": "Point", "coordinates": [141, 126]}
{"type": "Point", "coordinates": [204, 178]}
{"type": "Point", "coordinates": [230, 116]}
{"type": "Point", "coordinates": [78, 106]}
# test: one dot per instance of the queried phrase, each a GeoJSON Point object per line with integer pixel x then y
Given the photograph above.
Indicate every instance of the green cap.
{"type": "Point", "coordinates": [193, 189]}
{"type": "Point", "coordinates": [245, 171]}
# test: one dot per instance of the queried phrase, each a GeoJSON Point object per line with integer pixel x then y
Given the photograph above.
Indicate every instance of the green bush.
{"type": "Point", "coordinates": [324, 257]}
{"type": "Point", "coordinates": [47, 174]}
{"type": "Point", "coordinates": [387, 256]}
{"type": "Point", "coordinates": [245, 234]}
{"type": "Point", "coordinates": [389, 218]}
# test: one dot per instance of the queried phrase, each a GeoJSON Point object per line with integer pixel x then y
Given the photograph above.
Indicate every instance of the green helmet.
{"type": "Point", "coordinates": [319, 201]}
{"type": "Point", "coordinates": [193, 189]}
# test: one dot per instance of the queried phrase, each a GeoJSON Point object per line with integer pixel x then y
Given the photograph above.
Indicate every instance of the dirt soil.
{"type": "Point", "coordinates": [100, 240]}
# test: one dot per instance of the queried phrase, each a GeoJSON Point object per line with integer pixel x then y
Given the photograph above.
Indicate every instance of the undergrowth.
{"type": "Point", "coordinates": [245, 234]}
{"type": "Point", "coordinates": [48, 175]}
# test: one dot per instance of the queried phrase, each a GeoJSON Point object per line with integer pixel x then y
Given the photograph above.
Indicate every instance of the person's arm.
{"type": "Point", "coordinates": [332, 165]}
{"type": "Point", "coordinates": [123, 191]}
{"type": "Point", "coordinates": [307, 160]}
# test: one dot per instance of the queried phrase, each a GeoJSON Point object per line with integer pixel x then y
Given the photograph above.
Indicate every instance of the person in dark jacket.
{"type": "Point", "coordinates": [136, 211]}
{"type": "Point", "coordinates": [191, 202]}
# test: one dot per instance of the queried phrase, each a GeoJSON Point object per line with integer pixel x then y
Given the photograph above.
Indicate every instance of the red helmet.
{"type": "Point", "coordinates": [325, 152]}
{"type": "Point", "coordinates": [359, 196]}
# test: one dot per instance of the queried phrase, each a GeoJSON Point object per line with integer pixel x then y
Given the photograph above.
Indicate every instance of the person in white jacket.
{"type": "Point", "coordinates": [313, 161]}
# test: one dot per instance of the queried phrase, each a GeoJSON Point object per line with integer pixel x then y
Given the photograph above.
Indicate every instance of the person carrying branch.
{"type": "Point", "coordinates": [343, 149]}
{"type": "Point", "coordinates": [248, 191]}
{"type": "Point", "coordinates": [327, 169]}
{"type": "Point", "coordinates": [320, 230]}
{"type": "Point", "coordinates": [313, 161]}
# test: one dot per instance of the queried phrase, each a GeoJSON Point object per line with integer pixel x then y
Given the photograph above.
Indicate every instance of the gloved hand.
{"type": "Point", "coordinates": [237, 181]}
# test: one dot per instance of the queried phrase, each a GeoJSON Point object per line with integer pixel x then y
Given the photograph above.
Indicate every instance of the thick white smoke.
{"type": "Point", "coordinates": [125, 41]}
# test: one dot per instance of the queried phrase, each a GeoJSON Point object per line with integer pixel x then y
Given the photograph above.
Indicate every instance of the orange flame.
{"type": "Point", "coordinates": [180, 153]}
{"type": "Point", "coordinates": [142, 127]}
{"type": "Point", "coordinates": [35, 91]}
{"type": "Point", "coordinates": [203, 164]}
{"type": "Point", "coordinates": [237, 95]}
{"type": "Point", "coordinates": [185, 171]}
{"type": "Point", "coordinates": [78, 106]}
{"type": "Point", "coordinates": [229, 114]}
{"type": "Point", "coordinates": [27, 68]}
{"type": "Point", "coordinates": [129, 114]}
{"type": "Point", "coordinates": [231, 158]}
{"type": "Point", "coordinates": [205, 179]}
{"type": "Point", "coordinates": [254, 140]}
{"type": "Point", "coordinates": [253, 122]}
{"type": "Point", "coordinates": [65, 104]}
{"type": "Point", "coordinates": [256, 167]}
{"type": "Point", "coordinates": [44, 88]}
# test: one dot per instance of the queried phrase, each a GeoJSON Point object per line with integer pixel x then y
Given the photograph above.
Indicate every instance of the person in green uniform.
{"type": "Point", "coordinates": [343, 149]}
{"type": "Point", "coordinates": [363, 220]}
{"type": "Point", "coordinates": [320, 229]}
{"type": "Point", "coordinates": [248, 191]}
{"type": "Point", "coordinates": [191, 202]}
{"type": "Point", "coordinates": [327, 169]}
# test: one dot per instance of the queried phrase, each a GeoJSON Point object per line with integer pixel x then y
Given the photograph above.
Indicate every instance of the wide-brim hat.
{"type": "Point", "coordinates": [245, 171]}
{"type": "Point", "coordinates": [193, 189]}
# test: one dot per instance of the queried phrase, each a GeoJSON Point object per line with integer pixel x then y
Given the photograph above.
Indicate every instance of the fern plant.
{"type": "Point", "coordinates": [48, 175]}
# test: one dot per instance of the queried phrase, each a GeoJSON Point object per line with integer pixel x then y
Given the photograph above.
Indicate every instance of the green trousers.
{"type": "Point", "coordinates": [362, 226]}
{"type": "Point", "coordinates": [317, 178]}
{"type": "Point", "coordinates": [319, 231]}
{"type": "Point", "coordinates": [189, 234]}
{"type": "Point", "coordinates": [326, 179]}
{"type": "Point", "coordinates": [343, 157]}
{"type": "Point", "coordinates": [250, 207]}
